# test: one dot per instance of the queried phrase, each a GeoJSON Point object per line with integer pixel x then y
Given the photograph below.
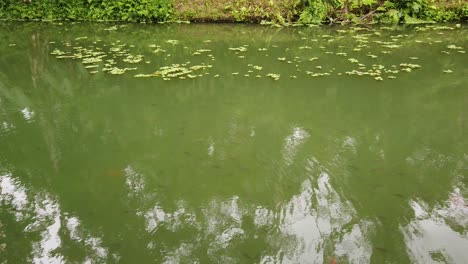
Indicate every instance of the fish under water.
{"type": "Point", "coordinates": [114, 173]}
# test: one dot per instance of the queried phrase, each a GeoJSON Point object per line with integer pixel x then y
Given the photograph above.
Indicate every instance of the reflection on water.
{"type": "Point", "coordinates": [40, 213]}
{"type": "Point", "coordinates": [438, 234]}
{"type": "Point", "coordinates": [292, 143]}
{"type": "Point", "coordinates": [306, 223]}
{"type": "Point", "coordinates": [314, 224]}
{"type": "Point", "coordinates": [106, 169]}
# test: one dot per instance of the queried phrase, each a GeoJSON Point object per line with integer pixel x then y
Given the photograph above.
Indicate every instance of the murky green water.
{"type": "Point", "coordinates": [295, 145]}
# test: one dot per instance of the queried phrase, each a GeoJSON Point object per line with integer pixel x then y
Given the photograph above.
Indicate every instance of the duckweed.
{"type": "Point", "coordinates": [133, 59]}
{"type": "Point", "coordinates": [116, 57]}
{"type": "Point", "coordinates": [274, 76]}
{"type": "Point", "coordinates": [240, 49]}
{"type": "Point", "coordinates": [172, 41]}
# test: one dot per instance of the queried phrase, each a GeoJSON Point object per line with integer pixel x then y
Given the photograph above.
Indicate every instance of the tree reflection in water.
{"type": "Point", "coordinates": [40, 213]}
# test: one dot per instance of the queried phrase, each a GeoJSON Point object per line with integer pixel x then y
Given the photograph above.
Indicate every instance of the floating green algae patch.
{"type": "Point", "coordinates": [373, 53]}
{"type": "Point", "coordinates": [180, 71]}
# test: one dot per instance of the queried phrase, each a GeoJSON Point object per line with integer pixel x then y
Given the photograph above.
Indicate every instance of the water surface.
{"type": "Point", "coordinates": [262, 145]}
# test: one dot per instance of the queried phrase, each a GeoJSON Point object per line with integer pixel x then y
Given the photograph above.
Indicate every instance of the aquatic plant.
{"type": "Point", "coordinates": [274, 76]}
{"type": "Point", "coordinates": [133, 58]}
{"type": "Point", "coordinates": [240, 49]}
{"type": "Point", "coordinates": [117, 57]}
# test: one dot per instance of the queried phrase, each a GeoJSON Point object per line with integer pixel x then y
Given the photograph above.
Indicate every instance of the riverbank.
{"type": "Point", "coordinates": [322, 11]}
{"type": "Point", "coordinates": [276, 11]}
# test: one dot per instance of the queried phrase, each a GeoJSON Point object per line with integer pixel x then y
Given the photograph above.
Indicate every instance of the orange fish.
{"type": "Point", "coordinates": [114, 173]}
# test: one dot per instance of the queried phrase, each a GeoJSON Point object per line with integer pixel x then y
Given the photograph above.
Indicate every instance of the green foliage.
{"type": "Point", "coordinates": [358, 4]}
{"type": "Point", "coordinates": [447, 14]}
{"type": "Point", "coordinates": [14, 9]}
{"type": "Point", "coordinates": [122, 10]}
{"type": "Point", "coordinates": [240, 14]}
{"type": "Point", "coordinates": [390, 16]}
{"type": "Point", "coordinates": [385, 11]}
{"type": "Point", "coordinates": [417, 11]}
{"type": "Point", "coordinates": [130, 10]}
{"type": "Point", "coordinates": [320, 10]}
{"type": "Point", "coordinates": [412, 10]}
{"type": "Point", "coordinates": [281, 12]}
{"type": "Point", "coordinates": [315, 11]}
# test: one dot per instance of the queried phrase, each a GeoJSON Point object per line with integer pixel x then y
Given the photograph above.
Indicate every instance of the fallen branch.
{"type": "Point", "coordinates": [380, 3]}
{"type": "Point", "coordinates": [367, 15]}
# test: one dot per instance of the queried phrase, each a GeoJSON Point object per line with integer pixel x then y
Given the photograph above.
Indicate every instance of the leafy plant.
{"type": "Point", "coordinates": [315, 11]}
{"type": "Point", "coordinates": [280, 12]}
{"type": "Point", "coordinates": [123, 10]}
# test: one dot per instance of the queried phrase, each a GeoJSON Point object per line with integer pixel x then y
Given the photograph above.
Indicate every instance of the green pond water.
{"type": "Point", "coordinates": [233, 144]}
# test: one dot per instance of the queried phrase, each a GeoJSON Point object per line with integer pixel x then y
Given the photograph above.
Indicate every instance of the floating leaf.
{"type": "Point", "coordinates": [274, 76]}
{"type": "Point", "coordinates": [410, 65]}
{"type": "Point", "coordinates": [133, 59]}
{"type": "Point", "coordinates": [172, 41]}
{"type": "Point", "coordinates": [240, 49]}
{"type": "Point", "coordinates": [111, 28]}
{"type": "Point", "coordinates": [91, 60]}
{"type": "Point", "coordinates": [454, 47]}
{"type": "Point", "coordinates": [158, 50]}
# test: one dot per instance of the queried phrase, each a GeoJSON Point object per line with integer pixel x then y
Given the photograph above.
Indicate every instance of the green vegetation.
{"type": "Point", "coordinates": [386, 11]}
{"type": "Point", "coordinates": [279, 11]}
{"type": "Point", "coordinates": [238, 10]}
{"type": "Point", "coordinates": [93, 10]}
{"type": "Point", "coordinates": [361, 52]}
